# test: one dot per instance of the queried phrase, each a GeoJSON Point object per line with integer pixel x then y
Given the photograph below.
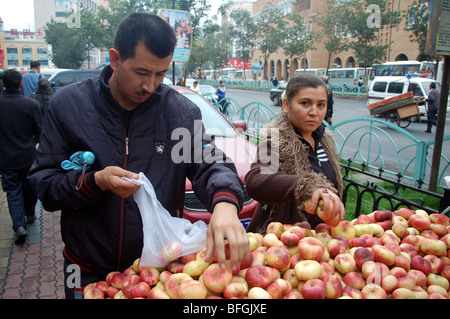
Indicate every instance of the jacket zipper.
{"type": "Point", "coordinates": [122, 203]}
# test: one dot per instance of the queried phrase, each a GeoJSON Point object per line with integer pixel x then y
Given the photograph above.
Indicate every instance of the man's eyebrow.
{"type": "Point", "coordinates": [147, 70]}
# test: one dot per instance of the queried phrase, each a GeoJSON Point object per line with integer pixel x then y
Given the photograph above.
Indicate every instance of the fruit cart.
{"type": "Point", "coordinates": [399, 109]}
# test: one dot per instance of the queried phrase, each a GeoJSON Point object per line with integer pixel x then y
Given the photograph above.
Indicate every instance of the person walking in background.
{"type": "Point", "coordinates": [196, 88]}
{"type": "Point", "coordinates": [30, 79]}
{"type": "Point", "coordinates": [43, 94]}
{"type": "Point", "coordinates": [221, 94]}
{"type": "Point", "coordinates": [433, 100]}
{"type": "Point", "coordinates": [20, 128]}
{"type": "Point", "coordinates": [330, 101]}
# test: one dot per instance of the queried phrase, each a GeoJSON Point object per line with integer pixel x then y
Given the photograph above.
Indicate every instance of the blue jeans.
{"type": "Point", "coordinates": [19, 194]}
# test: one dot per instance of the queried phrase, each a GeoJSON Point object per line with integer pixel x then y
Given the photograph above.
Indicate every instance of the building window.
{"type": "Point", "coordinates": [61, 14]}
{"type": "Point", "coordinates": [62, 3]}
{"type": "Point", "coordinates": [12, 56]}
{"type": "Point", "coordinates": [27, 55]}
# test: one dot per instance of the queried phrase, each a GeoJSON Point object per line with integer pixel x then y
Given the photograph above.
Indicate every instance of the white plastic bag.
{"type": "Point", "coordinates": [165, 237]}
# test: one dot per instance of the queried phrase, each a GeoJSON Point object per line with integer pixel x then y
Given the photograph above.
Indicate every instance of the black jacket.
{"type": "Point", "coordinates": [101, 231]}
{"type": "Point", "coordinates": [20, 128]}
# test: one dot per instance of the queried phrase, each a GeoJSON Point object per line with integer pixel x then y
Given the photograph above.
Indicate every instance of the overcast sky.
{"type": "Point", "coordinates": [17, 14]}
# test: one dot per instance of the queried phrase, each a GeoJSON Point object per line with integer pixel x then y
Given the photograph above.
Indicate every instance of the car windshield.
{"type": "Point", "coordinates": [213, 121]}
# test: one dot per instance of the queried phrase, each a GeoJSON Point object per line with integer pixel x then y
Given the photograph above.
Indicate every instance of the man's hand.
{"type": "Point", "coordinates": [110, 178]}
{"type": "Point", "coordinates": [225, 223]}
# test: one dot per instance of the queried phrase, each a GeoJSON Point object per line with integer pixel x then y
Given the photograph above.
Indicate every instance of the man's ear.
{"type": "Point", "coordinates": [114, 58]}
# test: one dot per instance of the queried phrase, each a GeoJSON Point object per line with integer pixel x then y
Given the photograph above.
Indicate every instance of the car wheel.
{"type": "Point", "coordinates": [277, 101]}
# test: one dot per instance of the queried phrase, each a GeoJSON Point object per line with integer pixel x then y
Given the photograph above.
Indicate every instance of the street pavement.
{"type": "Point", "coordinates": [33, 270]}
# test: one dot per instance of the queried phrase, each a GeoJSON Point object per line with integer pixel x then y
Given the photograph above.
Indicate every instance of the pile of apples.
{"type": "Point", "coordinates": [403, 254]}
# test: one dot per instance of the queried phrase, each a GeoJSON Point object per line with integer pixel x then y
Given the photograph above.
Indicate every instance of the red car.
{"type": "Point", "coordinates": [235, 146]}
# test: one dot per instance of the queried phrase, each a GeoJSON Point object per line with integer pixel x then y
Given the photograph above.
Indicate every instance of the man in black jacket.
{"type": "Point", "coordinates": [20, 128]}
{"type": "Point", "coordinates": [126, 118]}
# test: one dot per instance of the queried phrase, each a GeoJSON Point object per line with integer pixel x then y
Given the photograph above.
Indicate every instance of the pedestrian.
{"type": "Point", "coordinates": [433, 100]}
{"type": "Point", "coordinates": [330, 101]}
{"type": "Point", "coordinates": [20, 128]}
{"type": "Point", "coordinates": [43, 94]}
{"type": "Point", "coordinates": [275, 82]}
{"type": "Point", "coordinates": [30, 79]}
{"type": "Point", "coordinates": [221, 94]}
{"type": "Point", "coordinates": [196, 88]}
{"type": "Point", "coordinates": [127, 119]}
{"type": "Point", "coordinates": [297, 162]}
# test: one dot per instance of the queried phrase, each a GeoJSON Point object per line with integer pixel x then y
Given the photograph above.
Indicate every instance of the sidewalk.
{"type": "Point", "coordinates": [33, 270]}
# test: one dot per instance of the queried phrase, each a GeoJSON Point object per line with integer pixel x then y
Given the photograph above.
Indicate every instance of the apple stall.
{"type": "Point", "coordinates": [402, 254]}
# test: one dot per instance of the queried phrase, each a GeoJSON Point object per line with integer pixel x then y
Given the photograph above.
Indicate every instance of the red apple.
{"type": "Point", "coordinates": [258, 276]}
{"type": "Point", "coordinates": [158, 293]}
{"type": "Point", "coordinates": [192, 289]}
{"type": "Point", "coordinates": [93, 293]}
{"type": "Point", "coordinates": [335, 247]}
{"type": "Point", "coordinates": [407, 282]}
{"type": "Point", "coordinates": [406, 213]}
{"type": "Point", "coordinates": [323, 228]}
{"type": "Point", "coordinates": [279, 288]}
{"type": "Point", "coordinates": [110, 276]}
{"type": "Point", "coordinates": [111, 292]}
{"type": "Point", "coordinates": [149, 275]}
{"type": "Point", "coordinates": [311, 248]}
{"type": "Point", "coordinates": [292, 236]}
{"type": "Point", "coordinates": [383, 255]}
{"type": "Point", "coordinates": [403, 293]}
{"type": "Point", "coordinates": [333, 286]}
{"type": "Point", "coordinates": [352, 292]}
{"type": "Point", "coordinates": [345, 229]}
{"type": "Point", "coordinates": [437, 265]}
{"type": "Point", "coordinates": [433, 247]}
{"type": "Point", "coordinates": [189, 257]}
{"type": "Point", "coordinates": [354, 279]}
{"type": "Point", "coordinates": [276, 228]}
{"type": "Point", "coordinates": [308, 269]}
{"type": "Point", "coordinates": [428, 233]}
{"type": "Point", "coordinates": [357, 242]}
{"type": "Point", "coordinates": [129, 282]}
{"type": "Point", "coordinates": [420, 277]}
{"type": "Point", "coordinates": [217, 278]}
{"type": "Point", "coordinates": [419, 222]}
{"type": "Point", "coordinates": [344, 263]}
{"type": "Point", "coordinates": [420, 263]}
{"type": "Point", "coordinates": [117, 280]}
{"type": "Point", "coordinates": [278, 257]}
{"type": "Point", "coordinates": [373, 291]}
{"type": "Point", "coordinates": [389, 283]}
{"type": "Point", "coordinates": [235, 290]}
{"type": "Point", "coordinates": [381, 215]}
{"type": "Point", "coordinates": [313, 289]}
{"type": "Point", "coordinates": [362, 255]}
{"type": "Point", "coordinates": [439, 219]}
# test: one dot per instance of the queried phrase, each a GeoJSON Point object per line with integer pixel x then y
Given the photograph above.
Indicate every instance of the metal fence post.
{"type": "Point", "coordinates": [421, 161]}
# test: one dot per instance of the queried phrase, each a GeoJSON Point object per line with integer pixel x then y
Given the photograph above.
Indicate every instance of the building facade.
{"type": "Point", "coordinates": [20, 47]}
{"type": "Point", "coordinates": [399, 45]}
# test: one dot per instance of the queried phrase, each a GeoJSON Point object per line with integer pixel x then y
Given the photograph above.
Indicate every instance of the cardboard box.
{"type": "Point", "coordinates": [408, 110]}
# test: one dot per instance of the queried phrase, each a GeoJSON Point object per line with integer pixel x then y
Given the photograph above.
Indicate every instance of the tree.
{"type": "Point", "coordinates": [67, 47]}
{"type": "Point", "coordinates": [298, 38]}
{"type": "Point", "coordinates": [91, 32]}
{"type": "Point", "coordinates": [416, 18]}
{"type": "Point", "coordinates": [270, 26]}
{"type": "Point", "coordinates": [331, 31]}
{"type": "Point", "coordinates": [242, 31]}
{"type": "Point", "coordinates": [363, 19]}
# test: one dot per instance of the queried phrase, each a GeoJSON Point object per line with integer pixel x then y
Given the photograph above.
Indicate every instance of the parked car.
{"type": "Point", "coordinates": [47, 73]}
{"type": "Point", "coordinates": [383, 87]}
{"type": "Point", "coordinates": [63, 78]}
{"type": "Point", "coordinates": [275, 93]}
{"type": "Point", "coordinates": [209, 92]}
{"type": "Point", "coordinates": [235, 146]}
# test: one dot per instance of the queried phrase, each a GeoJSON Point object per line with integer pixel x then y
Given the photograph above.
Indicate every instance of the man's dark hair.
{"type": "Point", "coordinates": [432, 85]}
{"type": "Point", "coordinates": [155, 33]}
{"type": "Point", "coordinates": [12, 79]}
{"type": "Point", "coordinates": [34, 64]}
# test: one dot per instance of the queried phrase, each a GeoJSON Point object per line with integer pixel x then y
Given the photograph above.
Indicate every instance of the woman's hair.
{"type": "Point", "coordinates": [155, 33]}
{"type": "Point", "coordinates": [44, 86]}
{"type": "Point", "coordinates": [301, 81]}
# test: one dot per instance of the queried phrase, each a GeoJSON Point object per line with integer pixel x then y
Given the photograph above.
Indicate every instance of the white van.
{"type": "Point", "coordinates": [383, 87]}
{"type": "Point", "coordinates": [47, 73]}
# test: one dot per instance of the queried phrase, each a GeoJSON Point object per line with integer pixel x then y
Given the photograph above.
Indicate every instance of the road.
{"type": "Point", "coordinates": [386, 144]}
